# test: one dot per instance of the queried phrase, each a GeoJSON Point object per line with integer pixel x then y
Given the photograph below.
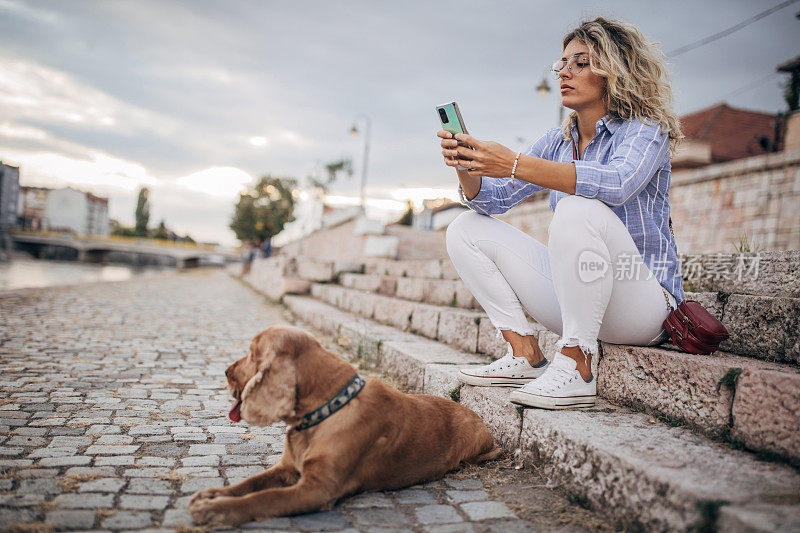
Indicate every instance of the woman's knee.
{"type": "Point", "coordinates": [571, 213]}
{"type": "Point", "coordinates": [462, 227]}
{"type": "Point", "coordinates": [573, 206]}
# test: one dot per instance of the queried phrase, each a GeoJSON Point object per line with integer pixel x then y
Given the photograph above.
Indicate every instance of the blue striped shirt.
{"type": "Point", "coordinates": [627, 167]}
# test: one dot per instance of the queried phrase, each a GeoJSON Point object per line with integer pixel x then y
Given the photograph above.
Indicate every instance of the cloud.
{"type": "Point", "coordinates": [29, 12]}
{"type": "Point", "coordinates": [200, 204]}
{"type": "Point", "coordinates": [7, 129]}
{"type": "Point", "coordinates": [98, 169]}
{"type": "Point", "coordinates": [33, 92]}
{"type": "Point", "coordinates": [224, 182]}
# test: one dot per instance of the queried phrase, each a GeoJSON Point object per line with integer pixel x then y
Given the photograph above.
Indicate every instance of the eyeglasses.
{"type": "Point", "coordinates": [579, 60]}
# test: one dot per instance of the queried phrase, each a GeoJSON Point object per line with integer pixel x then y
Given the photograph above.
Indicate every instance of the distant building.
{"type": "Point", "coordinates": [723, 133]}
{"type": "Point", "coordinates": [437, 214]}
{"type": "Point", "coordinates": [9, 192]}
{"type": "Point", "coordinates": [81, 212]}
{"type": "Point", "coordinates": [31, 207]}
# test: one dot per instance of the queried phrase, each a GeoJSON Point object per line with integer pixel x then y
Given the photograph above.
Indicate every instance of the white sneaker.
{"type": "Point", "coordinates": [561, 387]}
{"type": "Point", "coordinates": [508, 371]}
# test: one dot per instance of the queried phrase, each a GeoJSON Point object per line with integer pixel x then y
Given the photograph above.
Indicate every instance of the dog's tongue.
{"type": "Point", "coordinates": [234, 414]}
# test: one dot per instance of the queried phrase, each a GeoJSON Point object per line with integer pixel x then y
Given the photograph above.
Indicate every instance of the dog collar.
{"type": "Point", "coordinates": [334, 404]}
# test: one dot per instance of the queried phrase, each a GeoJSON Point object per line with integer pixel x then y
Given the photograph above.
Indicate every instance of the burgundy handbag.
{"type": "Point", "coordinates": [692, 328]}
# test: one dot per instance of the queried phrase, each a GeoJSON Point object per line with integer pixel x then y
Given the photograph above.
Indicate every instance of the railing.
{"type": "Point", "coordinates": [116, 238]}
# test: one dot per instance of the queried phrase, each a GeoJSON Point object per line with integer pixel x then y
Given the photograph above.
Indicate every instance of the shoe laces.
{"type": "Point", "coordinates": [555, 377]}
{"type": "Point", "coordinates": [507, 361]}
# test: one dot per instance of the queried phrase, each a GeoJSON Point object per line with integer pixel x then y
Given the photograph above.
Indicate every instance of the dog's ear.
{"type": "Point", "coordinates": [271, 394]}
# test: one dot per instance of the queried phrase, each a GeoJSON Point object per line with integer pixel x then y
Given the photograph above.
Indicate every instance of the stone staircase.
{"type": "Point", "coordinates": [678, 441]}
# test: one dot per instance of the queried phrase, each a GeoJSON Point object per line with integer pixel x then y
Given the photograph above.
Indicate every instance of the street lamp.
{"type": "Point", "coordinates": [543, 89]}
{"type": "Point", "coordinates": [354, 133]}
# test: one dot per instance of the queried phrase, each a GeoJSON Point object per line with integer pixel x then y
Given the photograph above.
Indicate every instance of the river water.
{"type": "Point", "coordinates": [19, 273]}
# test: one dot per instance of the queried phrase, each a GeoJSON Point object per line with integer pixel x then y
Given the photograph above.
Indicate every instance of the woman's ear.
{"type": "Point", "coordinates": [271, 394]}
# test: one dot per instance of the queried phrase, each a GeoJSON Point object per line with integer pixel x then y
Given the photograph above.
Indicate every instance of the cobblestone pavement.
{"type": "Point", "coordinates": [113, 411]}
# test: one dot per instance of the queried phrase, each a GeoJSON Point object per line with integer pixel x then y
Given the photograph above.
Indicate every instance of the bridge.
{"type": "Point", "coordinates": [96, 249]}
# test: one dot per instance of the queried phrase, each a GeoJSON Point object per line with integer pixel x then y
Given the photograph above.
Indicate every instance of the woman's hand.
{"type": "Point", "coordinates": [448, 146]}
{"type": "Point", "coordinates": [485, 158]}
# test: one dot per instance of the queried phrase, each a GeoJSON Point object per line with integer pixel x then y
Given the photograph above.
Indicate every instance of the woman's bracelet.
{"type": "Point", "coordinates": [514, 170]}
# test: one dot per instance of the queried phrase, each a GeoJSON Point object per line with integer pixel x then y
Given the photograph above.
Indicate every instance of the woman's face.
{"type": "Point", "coordinates": [580, 90]}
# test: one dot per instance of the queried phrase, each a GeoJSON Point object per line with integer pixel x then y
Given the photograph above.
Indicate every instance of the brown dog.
{"type": "Point", "coordinates": [382, 439]}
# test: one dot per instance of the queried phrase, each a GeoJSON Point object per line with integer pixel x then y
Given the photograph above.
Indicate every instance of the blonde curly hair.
{"type": "Point", "coordinates": [637, 81]}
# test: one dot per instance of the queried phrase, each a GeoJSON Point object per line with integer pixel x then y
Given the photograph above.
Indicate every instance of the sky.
{"type": "Point", "coordinates": [196, 99]}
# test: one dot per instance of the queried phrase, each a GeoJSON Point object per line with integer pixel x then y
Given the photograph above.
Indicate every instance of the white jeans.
{"type": "Point", "coordinates": [577, 286]}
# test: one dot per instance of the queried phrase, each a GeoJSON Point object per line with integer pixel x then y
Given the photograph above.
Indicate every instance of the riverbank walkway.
{"type": "Point", "coordinates": [113, 412]}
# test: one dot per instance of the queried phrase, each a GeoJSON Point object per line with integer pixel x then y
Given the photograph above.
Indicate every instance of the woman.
{"type": "Point", "coordinates": [610, 268]}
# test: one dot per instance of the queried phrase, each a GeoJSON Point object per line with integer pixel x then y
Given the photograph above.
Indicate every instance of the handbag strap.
{"type": "Point", "coordinates": [669, 305]}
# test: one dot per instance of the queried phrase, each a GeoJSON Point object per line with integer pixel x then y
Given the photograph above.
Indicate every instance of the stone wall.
{"type": "Point", "coordinates": [338, 242]}
{"type": "Point", "coordinates": [344, 243]}
{"type": "Point", "coordinates": [714, 207]}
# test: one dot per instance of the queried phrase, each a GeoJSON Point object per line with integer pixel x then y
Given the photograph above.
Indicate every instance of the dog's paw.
{"type": "Point", "coordinates": [207, 494]}
{"type": "Point", "coordinates": [219, 511]}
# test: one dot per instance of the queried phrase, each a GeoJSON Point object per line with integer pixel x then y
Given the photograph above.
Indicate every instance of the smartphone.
{"type": "Point", "coordinates": [451, 120]}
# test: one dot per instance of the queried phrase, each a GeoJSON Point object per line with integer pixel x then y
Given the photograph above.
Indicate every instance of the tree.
{"type": "Point", "coordinates": [142, 213]}
{"type": "Point", "coordinates": [161, 231]}
{"type": "Point", "coordinates": [408, 216]}
{"type": "Point", "coordinates": [264, 210]}
{"type": "Point", "coordinates": [332, 169]}
{"type": "Point", "coordinates": [117, 228]}
{"type": "Point", "coordinates": [791, 90]}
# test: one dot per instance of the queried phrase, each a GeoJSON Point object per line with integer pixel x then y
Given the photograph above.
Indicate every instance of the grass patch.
{"type": "Point", "coordinates": [32, 527]}
{"type": "Point", "coordinates": [672, 421]}
{"type": "Point", "coordinates": [730, 379]}
{"type": "Point", "coordinates": [709, 512]}
{"type": "Point", "coordinates": [455, 394]}
{"type": "Point", "coordinates": [768, 456]}
{"type": "Point", "coordinates": [71, 483]}
{"type": "Point", "coordinates": [173, 476]}
{"type": "Point", "coordinates": [736, 444]}
{"type": "Point", "coordinates": [454, 302]}
{"type": "Point", "coordinates": [579, 500]}
{"type": "Point", "coordinates": [477, 320]}
{"type": "Point", "coordinates": [344, 342]}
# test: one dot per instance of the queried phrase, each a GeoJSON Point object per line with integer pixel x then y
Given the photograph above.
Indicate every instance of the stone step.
{"type": "Point", "coordinates": [764, 327]}
{"type": "Point", "coordinates": [767, 327]}
{"type": "Point", "coordinates": [761, 327]}
{"type": "Point", "coordinates": [412, 268]}
{"type": "Point", "coordinates": [725, 396]}
{"type": "Point", "coordinates": [722, 395]}
{"type": "Point", "coordinates": [637, 471]}
{"type": "Point", "coordinates": [774, 273]}
{"type": "Point", "coordinates": [451, 292]}
{"type": "Point", "coordinates": [320, 270]}
{"type": "Point", "coordinates": [299, 267]}
{"type": "Point", "coordinates": [465, 329]}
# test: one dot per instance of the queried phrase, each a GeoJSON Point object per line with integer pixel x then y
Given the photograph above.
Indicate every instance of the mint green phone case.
{"type": "Point", "coordinates": [454, 123]}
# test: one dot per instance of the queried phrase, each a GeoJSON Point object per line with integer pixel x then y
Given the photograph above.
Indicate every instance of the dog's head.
{"type": "Point", "coordinates": [264, 382]}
